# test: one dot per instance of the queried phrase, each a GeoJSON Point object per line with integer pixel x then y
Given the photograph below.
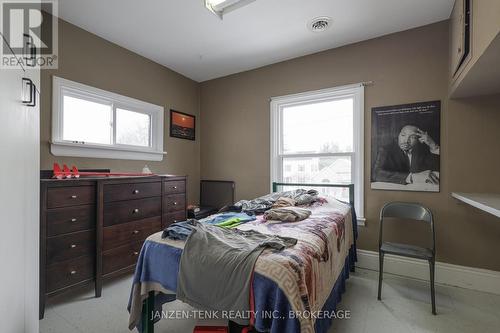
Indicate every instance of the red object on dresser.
{"type": "Point", "coordinates": [66, 173]}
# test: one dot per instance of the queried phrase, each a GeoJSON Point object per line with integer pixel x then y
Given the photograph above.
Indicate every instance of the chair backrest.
{"type": "Point", "coordinates": [407, 211]}
{"type": "Point", "coordinates": [216, 193]}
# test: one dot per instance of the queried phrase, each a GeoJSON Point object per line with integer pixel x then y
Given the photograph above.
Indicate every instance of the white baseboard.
{"type": "Point", "coordinates": [446, 274]}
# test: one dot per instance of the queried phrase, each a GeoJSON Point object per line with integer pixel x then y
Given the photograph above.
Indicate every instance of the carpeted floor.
{"type": "Point", "coordinates": [405, 307]}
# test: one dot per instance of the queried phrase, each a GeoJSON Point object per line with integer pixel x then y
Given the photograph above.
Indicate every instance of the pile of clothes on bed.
{"type": "Point", "coordinates": [275, 200]}
{"type": "Point", "coordinates": [278, 207]}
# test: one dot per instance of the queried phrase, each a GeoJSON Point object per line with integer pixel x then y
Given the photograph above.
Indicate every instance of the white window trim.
{"type": "Point", "coordinates": [354, 90]}
{"type": "Point", "coordinates": [60, 147]}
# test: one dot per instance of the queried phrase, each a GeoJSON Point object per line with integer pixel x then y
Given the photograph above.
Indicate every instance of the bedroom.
{"type": "Point", "coordinates": [241, 93]}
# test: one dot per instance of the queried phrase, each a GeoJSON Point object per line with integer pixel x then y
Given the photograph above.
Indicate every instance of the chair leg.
{"type": "Point", "coordinates": [433, 293]}
{"type": "Point", "coordinates": [380, 273]}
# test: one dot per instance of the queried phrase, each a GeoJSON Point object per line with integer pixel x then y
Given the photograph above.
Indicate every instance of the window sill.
{"type": "Point", "coordinates": [96, 151]}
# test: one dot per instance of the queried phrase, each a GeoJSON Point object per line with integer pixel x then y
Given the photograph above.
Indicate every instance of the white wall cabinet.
{"type": "Point", "coordinates": [475, 48]}
{"type": "Point", "coordinates": [460, 35]}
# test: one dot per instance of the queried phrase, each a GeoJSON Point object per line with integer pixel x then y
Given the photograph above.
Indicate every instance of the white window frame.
{"type": "Point", "coordinates": [355, 91]}
{"type": "Point", "coordinates": [60, 147]}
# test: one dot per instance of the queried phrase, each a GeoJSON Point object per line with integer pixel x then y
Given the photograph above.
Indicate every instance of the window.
{"type": "Point", "coordinates": [133, 128]}
{"type": "Point", "coordinates": [319, 135]}
{"type": "Point", "coordinates": [90, 122]}
{"type": "Point", "coordinates": [86, 120]}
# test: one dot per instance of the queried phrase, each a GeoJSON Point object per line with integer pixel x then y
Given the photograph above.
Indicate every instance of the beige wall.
{"type": "Point", "coordinates": [86, 58]}
{"type": "Point", "coordinates": [407, 67]}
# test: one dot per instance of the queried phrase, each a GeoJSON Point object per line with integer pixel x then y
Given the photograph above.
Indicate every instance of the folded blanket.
{"type": "Point", "coordinates": [287, 214]}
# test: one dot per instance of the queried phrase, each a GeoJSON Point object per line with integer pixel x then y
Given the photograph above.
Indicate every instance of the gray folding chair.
{"type": "Point", "coordinates": [415, 212]}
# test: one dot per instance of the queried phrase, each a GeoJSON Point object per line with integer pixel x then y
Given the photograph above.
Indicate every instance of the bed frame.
{"type": "Point", "coordinates": [148, 306]}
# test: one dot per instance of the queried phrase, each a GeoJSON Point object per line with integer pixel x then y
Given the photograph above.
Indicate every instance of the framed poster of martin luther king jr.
{"type": "Point", "coordinates": [405, 152]}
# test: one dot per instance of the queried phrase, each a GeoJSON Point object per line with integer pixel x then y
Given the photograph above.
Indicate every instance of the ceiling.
{"type": "Point", "coordinates": [185, 37]}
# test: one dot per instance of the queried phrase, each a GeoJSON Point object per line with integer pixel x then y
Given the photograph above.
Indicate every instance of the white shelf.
{"type": "Point", "coordinates": [488, 202]}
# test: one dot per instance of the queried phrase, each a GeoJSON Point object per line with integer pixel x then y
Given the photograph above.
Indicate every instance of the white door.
{"type": "Point", "coordinates": [19, 203]}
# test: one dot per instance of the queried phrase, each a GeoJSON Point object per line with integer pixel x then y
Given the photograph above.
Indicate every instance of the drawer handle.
{"type": "Point", "coordinates": [72, 246]}
{"type": "Point", "coordinates": [135, 232]}
{"type": "Point", "coordinates": [135, 191]}
{"type": "Point", "coordinates": [175, 203]}
{"type": "Point", "coordinates": [74, 196]}
{"type": "Point", "coordinates": [175, 221]}
{"type": "Point", "coordinates": [135, 253]}
{"type": "Point", "coordinates": [174, 187]}
{"type": "Point", "coordinates": [135, 211]}
{"type": "Point", "coordinates": [73, 219]}
{"type": "Point", "coordinates": [72, 272]}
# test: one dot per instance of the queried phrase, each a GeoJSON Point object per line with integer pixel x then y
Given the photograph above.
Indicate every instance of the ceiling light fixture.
{"type": "Point", "coordinates": [222, 7]}
{"type": "Point", "coordinates": [320, 24]}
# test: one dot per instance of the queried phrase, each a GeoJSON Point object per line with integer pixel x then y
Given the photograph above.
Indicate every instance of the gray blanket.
{"type": "Point", "coordinates": [216, 266]}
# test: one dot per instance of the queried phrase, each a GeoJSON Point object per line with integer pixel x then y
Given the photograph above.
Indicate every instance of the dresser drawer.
{"type": "Point", "coordinates": [170, 218]}
{"type": "Point", "coordinates": [70, 219]}
{"type": "Point", "coordinates": [120, 257]}
{"type": "Point", "coordinates": [126, 233]}
{"type": "Point", "coordinates": [117, 192]}
{"type": "Point", "coordinates": [175, 202]}
{"type": "Point", "coordinates": [70, 196]}
{"type": "Point", "coordinates": [70, 246]}
{"type": "Point", "coordinates": [125, 211]}
{"type": "Point", "coordinates": [70, 272]}
{"type": "Point", "coordinates": [174, 187]}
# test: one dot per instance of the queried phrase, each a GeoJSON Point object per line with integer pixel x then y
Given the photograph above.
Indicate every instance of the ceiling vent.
{"type": "Point", "coordinates": [320, 24]}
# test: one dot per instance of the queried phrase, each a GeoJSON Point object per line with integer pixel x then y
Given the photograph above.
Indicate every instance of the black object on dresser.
{"type": "Point", "coordinates": [214, 194]}
{"type": "Point", "coordinates": [93, 228]}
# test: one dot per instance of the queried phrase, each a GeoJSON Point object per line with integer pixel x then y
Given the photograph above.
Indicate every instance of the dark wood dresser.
{"type": "Point", "coordinates": [93, 228]}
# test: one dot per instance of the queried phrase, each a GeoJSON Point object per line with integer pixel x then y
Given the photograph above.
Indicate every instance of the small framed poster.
{"type": "Point", "coordinates": [182, 125]}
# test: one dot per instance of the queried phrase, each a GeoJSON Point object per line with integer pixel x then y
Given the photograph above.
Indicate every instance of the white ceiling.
{"type": "Point", "coordinates": [184, 36]}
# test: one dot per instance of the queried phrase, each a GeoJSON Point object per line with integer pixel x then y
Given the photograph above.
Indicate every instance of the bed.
{"type": "Point", "coordinates": [294, 291]}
